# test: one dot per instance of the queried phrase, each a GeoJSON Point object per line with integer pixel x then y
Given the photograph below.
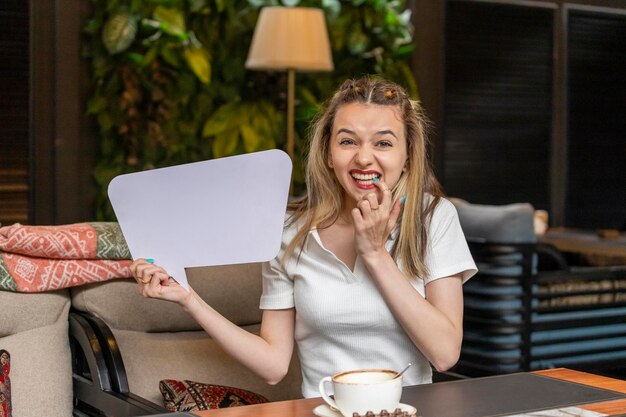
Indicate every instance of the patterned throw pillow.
{"type": "Point", "coordinates": [5, 384]}
{"type": "Point", "coordinates": [192, 396]}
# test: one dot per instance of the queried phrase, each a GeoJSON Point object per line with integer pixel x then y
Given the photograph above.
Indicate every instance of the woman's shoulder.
{"type": "Point", "coordinates": [443, 207]}
{"type": "Point", "coordinates": [293, 223]}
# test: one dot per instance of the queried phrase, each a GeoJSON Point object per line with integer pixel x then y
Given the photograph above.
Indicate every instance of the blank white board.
{"type": "Point", "coordinates": [217, 212]}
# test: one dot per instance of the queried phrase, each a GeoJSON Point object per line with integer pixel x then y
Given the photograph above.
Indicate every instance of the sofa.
{"type": "Point", "coordinates": [79, 339]}
{"type": "Point", "coordinates": [61, 365]}
{"type": "Point", "coordinates": [34, 329]}
{"type": "Point", "coordinates": [149, 340]}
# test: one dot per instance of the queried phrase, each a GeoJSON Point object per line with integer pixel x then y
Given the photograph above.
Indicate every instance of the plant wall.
{"type": "Point", "coordinates": [169, 84]}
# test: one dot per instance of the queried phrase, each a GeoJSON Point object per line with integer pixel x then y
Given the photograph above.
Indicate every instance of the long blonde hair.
{"type": "Point", "coordinates": [321, 205]}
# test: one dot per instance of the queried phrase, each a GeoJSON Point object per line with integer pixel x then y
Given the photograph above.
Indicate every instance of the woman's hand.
{"type": "Point", "coordinates": [374, 220]}
{"type": "Point", "coordinates": [154, 282]}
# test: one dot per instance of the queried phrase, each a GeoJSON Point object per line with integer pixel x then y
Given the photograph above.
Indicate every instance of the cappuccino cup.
{"type": "Point", "coordinates": [363, 390]}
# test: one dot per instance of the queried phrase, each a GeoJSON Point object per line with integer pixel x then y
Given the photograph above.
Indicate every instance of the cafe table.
{"type": "Point", "coordinates": [577, 389]}
{"type": "Point", "coordinates": [588, 244]}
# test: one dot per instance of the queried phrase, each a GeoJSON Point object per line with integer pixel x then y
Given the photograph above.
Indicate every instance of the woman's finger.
{"type": "Point", "coordinates": [395, 213]}
{"type": "Point", "coordinates": [365, 207]}
{"type": "Point", "coordinates": [386, 192]}
{"type": "Point", "coordinates": [136, 264]}
{"type": "Point", "coordinates": [373, 201]}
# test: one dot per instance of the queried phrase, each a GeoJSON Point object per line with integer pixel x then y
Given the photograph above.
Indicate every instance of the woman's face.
{"type": "Point", "coordinates": [367, 141]}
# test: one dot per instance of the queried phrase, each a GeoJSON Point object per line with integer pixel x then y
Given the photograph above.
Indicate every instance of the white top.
{"type": "Point", "coordinates": [342, 321]}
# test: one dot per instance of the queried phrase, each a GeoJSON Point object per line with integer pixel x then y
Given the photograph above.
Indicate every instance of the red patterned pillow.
{"type": "Point", "coordinates": [5, 384]}
{"type": "Point", "coordinates": [192, 396]}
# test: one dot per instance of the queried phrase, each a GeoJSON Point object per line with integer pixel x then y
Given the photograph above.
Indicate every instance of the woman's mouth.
{"type": "Point", "coordinates": [364, 180]}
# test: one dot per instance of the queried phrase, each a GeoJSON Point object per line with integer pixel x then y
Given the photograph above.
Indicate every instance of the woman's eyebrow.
{"type": "Point", "coordinates": [379, 133]}
{"type": "Point", "coordinates": [386, 132]}
{"type": "Point", "coordinates": [344, 130]}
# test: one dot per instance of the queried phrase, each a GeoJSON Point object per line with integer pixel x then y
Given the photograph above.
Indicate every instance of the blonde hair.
{"type": "Point", "coordinates": [321, 205]}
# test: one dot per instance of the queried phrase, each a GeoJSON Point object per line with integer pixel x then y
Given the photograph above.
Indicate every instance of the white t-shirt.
{"type": "Point", "coordinates": [342, 321]}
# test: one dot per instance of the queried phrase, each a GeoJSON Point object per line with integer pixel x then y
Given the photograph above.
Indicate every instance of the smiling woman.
{"type": "Point", "coordinates": [368, 142]}
{"type": "Point", "coordinates": [372, 258]}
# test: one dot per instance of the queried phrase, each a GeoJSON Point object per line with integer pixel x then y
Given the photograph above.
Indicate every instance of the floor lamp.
{"type": "Point", "coordinates": [292, 39]}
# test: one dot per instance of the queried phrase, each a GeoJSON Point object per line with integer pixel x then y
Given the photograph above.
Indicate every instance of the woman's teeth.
{"type": "Point", "coordinates": [364, 179]}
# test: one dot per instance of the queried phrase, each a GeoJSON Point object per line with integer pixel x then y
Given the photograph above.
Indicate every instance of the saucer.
{"type": "Point", "coordinates": [324, 410]}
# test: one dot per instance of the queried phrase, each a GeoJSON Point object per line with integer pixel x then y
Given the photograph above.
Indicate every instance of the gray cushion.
{"type": "Point", "coordinates": [233, 290]}
{"type": "Point", "coordinates": [511, 223]}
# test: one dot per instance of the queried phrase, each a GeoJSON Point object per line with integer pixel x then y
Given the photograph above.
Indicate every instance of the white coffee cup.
{"type": "Point", "coordinates": [363, 390]}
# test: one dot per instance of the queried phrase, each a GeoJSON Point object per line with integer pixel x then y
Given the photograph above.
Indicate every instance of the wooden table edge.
{"type": "Point", "coordinates": [610, 408]}
{"type": "Point", "coordinates": [304, 407]}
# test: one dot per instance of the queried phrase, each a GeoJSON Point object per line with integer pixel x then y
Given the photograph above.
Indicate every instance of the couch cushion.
{"type": "Point", "coordinates": [25, 311]}
{"type": "Point", "coordinates": [193, 396]}
{"type": "Point", "coordinates": [41, 370]}
{"type": "Point", "coordinates": [5, 383]}
{"type": "Point", "coordinates": [195, 356]}
{"type": "Point", "coordinates": [233, 290]}
{"type": "Point", "coordinates": [511, 223]}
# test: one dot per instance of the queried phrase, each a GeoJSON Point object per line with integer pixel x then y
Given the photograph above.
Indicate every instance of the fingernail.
{"type": "Point", "coordinates": [403, 199]}
{"type": "Point", "coordinates": [150, 260]}
{"type": "Point", "coordinates": [375, 179]}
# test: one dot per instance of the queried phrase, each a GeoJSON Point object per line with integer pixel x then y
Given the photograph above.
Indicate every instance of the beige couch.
{"type": "Point", "coordinates": [157, 340]}
{"type": "Point", "coordinates": [33, 329]}
{"type": "Point", "coordinates": [138, 342]}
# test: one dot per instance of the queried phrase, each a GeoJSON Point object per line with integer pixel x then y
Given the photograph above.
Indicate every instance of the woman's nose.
{"type": "Point", "coordinates": [364, 156]}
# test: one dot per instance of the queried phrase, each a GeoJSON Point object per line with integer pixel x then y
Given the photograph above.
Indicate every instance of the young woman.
{"type": "Point", "coordinates": [372, 260]}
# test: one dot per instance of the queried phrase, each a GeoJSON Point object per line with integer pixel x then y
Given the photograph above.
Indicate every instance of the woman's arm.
{"type": "Point", "coordinates": [268, 355]}
{"type": "Point", "coordinates": [435, 322]}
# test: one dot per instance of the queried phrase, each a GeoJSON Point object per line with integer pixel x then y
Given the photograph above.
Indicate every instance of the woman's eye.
{"type": "Point", "coordinates": [384, 144]}
{"type": "Point", "coordinates": [346, 142]}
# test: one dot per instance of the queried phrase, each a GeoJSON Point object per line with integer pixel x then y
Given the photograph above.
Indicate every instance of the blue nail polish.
{"type": "Point", "coordinates": [150, 260]}
{"type": "Point", "coordinates": [403, 199]}
{"type": "Point", "coordinates": [375, 179]}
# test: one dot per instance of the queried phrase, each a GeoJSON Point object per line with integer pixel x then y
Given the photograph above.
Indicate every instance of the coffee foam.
{"type": "Point", "coordinates": [368, 376]}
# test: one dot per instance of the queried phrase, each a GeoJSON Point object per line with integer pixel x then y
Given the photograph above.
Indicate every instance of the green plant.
{"type": "Point", "coordinates": [170, 86]}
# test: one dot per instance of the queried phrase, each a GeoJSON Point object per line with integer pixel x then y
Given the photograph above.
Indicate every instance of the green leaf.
{"type": "Point", "coordinates": [172, 19]}
{"type": "Point", "coordinates": [225, 144]}
{"type": "Point", "coordinates": [170, 55]}
{"type": "Point", "coordinates": [196, 5]}
{"type": "Point", "coordinates": [251, 138]}
{"type": "Point", "coordinates": [220, 120]}
{"type": "Point", "coordinates": [171, 3]}
{"type": "Point", "coordinates": [404, 51]}
{"type": "Point", "coordinates": [357, 40]}
{"type": "Point", "coordinates": [105, 121]}
{"type": "Point", "coordinates": [199, 61]}
{"type": "Point", "coordinates": [93, 26]}
{"type": "Point", "coordinates": [119, 32]}
{"type": "Point", "coordinates": [333, 7]}
{"type": "Point", "coordinates": [96, 104]}
{"type": "Point", "coordinates": [151, 55]}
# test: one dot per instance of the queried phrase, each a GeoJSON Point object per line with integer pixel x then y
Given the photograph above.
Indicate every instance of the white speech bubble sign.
{"type": "Point", "coordinates": [217, 212]}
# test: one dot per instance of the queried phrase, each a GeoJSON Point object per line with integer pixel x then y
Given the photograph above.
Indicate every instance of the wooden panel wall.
{"type": "Point", "coordinates": [498, 103]}
{"type": "Point", "coordinates": [596, 192]}
{"type": "Point", "coordinates": [14, 107]}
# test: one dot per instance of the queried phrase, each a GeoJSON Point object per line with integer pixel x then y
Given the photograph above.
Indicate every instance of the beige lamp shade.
{"type": "Point", "coordinates": [290, 38]}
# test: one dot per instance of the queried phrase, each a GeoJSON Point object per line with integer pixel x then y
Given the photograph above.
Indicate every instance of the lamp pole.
{"type": "Point", "coordinates": [291, 142]}
{"type": "Point", "coordinates": [291, 86]}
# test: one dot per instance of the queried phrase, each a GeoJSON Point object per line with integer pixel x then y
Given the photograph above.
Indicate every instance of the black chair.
{"type": "Point", "coordinates": [521, 317]}
{"type": "Point", "coordinates": [99, 377]}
